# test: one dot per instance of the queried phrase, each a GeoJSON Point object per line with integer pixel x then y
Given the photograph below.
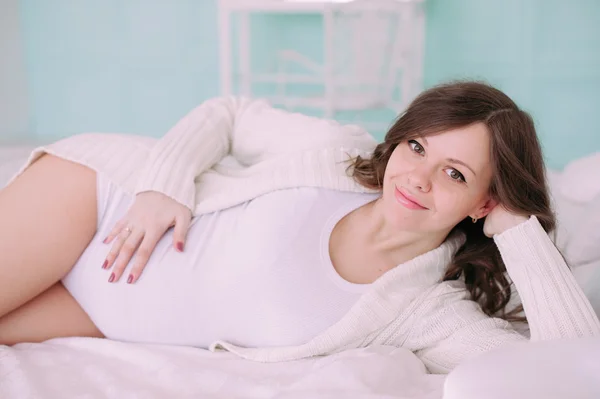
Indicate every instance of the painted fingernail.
{"type": "Point", "coordinates": [105, 264]}
{"type": "Point", "coordinates": [130, 279]}
{"type": "Point", "coordinates": [111, 278]}
{"type": "Point", "coordinates": [105, 240]}
{"type": "Point", "coordinates": [180, 246]}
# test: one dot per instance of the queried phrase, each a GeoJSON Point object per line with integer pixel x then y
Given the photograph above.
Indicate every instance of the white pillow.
{"type": "Point", "coordinates": [588, 278]}
{"type": "Point", "coordinates": [584, 243]}
{"type": "Point", "coordinates": [567, 214]}
{"type": "Point", "coordinates": [580, 179]}
{"type": "Point", "coordinates": [577, 234]}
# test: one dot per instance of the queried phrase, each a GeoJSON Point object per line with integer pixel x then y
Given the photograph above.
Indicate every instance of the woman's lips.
{"type": "Point", "coordinates": [410, 204]}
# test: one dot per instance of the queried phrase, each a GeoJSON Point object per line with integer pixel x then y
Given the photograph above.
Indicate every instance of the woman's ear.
{"type": "Point", "coordinates": [486, 208]}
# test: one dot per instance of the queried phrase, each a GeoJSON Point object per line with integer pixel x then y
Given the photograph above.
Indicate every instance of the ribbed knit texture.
{"type": "Point", "coordinates": [408, 306]}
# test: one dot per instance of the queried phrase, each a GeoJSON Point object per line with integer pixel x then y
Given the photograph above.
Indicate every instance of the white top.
{"type": "Point", "coordinates": [264, 274]}
{"type": "Point", "coordinates": [257, 274]}
{"type": "Point", "coordinates": [408, 306]}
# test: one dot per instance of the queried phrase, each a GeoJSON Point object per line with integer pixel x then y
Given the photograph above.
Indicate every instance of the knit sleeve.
{"type": "Point", "coordinates": [197, 142]}
{"type": "Point", "coordinates": [554, 304]}
{"type": "Point", "coordinates": [455, 331]}
{"type": "Point", "coordinates": [251, 131]}
{"type": "Point", "coordinates": [455, 328]}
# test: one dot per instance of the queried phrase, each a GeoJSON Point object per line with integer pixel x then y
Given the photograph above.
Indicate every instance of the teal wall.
{"type": "Point", "coordinates": [544, 53]}
{"type": "Point", "coordinates": [137, 66]}
{"type": "Point", "coordinates": [117, 65]}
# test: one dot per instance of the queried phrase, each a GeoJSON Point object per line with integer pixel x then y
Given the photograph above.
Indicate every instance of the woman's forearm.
{"type": "Point", "coordinates": [554, 304]}
{"type": "Point", "coordinates": [196, 143]}
{"type": "Point", "coordinates": [250, 130]}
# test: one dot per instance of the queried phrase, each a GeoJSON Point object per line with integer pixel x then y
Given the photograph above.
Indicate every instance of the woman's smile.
{"type": "Point", "coordinates": [408, 203]}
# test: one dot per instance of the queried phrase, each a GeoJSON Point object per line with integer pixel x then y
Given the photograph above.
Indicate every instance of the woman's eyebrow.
{"type": "Point", "coordinates": [452, 160]}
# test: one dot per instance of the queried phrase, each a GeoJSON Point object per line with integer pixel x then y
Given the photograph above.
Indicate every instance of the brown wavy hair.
{"type": "Point", "coordinates": [518, 176]}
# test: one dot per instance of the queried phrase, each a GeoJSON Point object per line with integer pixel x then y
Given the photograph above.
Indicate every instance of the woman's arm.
{"type": "Point", "coordinates": [454, 328]}
{"type": "Point", "coordinates": [249, 130]}
{"type": "Point", "coordinates": [197, 142]}
{"type": "Point", "coordinates": [555, 305]}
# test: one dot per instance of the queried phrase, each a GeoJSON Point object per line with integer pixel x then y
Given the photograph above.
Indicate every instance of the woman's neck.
{"type": "Point", "coordinates": [388, 241]}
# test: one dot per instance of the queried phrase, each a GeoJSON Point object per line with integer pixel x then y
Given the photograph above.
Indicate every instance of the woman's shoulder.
{"type": "Point", "coordinates": [450, 290]}
{"type": "Point", "coordinates": [451, 298]}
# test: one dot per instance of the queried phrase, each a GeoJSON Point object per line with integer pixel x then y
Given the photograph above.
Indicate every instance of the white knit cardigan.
{"type": "Point", "coordinates": [409, 306]}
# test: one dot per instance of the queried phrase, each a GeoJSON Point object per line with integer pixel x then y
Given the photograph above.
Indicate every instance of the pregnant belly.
{"type": "Point", "coordinates": [192, 298]}
{"type": "Point", "coordinates": [157, 308]}
{"type": "Point", "coordinates": [229, 284]}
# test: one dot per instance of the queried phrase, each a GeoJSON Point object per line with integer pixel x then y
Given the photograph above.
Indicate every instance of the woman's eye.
{"type": "Point", "coordinates": [456, 175]}
{"type": "Point", "coordinates": [416, 147]}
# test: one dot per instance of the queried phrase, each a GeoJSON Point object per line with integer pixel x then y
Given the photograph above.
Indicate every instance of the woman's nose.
{"type": "Point", "coordinates": [420, 179]}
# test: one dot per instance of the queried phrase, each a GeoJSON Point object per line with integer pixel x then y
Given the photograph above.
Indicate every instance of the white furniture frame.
{"type": "Point", "coordinates": [411, 80]}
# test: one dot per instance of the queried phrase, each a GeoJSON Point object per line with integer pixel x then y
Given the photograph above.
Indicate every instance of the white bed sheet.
{"type": "Point", "coordinates": [98, 368]}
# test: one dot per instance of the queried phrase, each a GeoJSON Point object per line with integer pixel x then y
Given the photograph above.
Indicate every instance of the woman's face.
{"type": "Point", "coordinates": [449, 174]}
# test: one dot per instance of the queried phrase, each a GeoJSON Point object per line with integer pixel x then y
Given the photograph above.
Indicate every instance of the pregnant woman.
{"type": "Point", "coordinates": [278, 236]}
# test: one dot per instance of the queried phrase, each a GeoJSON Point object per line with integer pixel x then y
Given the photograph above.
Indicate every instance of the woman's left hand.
{"type": "Point", "coordinates": [500, 219]}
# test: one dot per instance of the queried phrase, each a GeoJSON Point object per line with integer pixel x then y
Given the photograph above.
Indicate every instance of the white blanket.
{"type": "Point", "coordinates": [98, 368]}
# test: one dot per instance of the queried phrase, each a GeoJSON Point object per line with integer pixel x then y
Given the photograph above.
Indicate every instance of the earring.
{"type": "Point", "coordinates": [474, 220]}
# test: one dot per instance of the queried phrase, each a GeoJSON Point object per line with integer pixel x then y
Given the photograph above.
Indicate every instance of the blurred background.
{"type": "Point", "coordinates": [137, 66]}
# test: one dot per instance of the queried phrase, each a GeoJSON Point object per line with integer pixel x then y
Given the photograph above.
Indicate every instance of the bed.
{"type": "Point", "coordinates": [98, 368]}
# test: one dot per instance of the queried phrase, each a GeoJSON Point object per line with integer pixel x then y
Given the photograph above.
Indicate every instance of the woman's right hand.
{"type": "Point", "coordinates": [146, 221]}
